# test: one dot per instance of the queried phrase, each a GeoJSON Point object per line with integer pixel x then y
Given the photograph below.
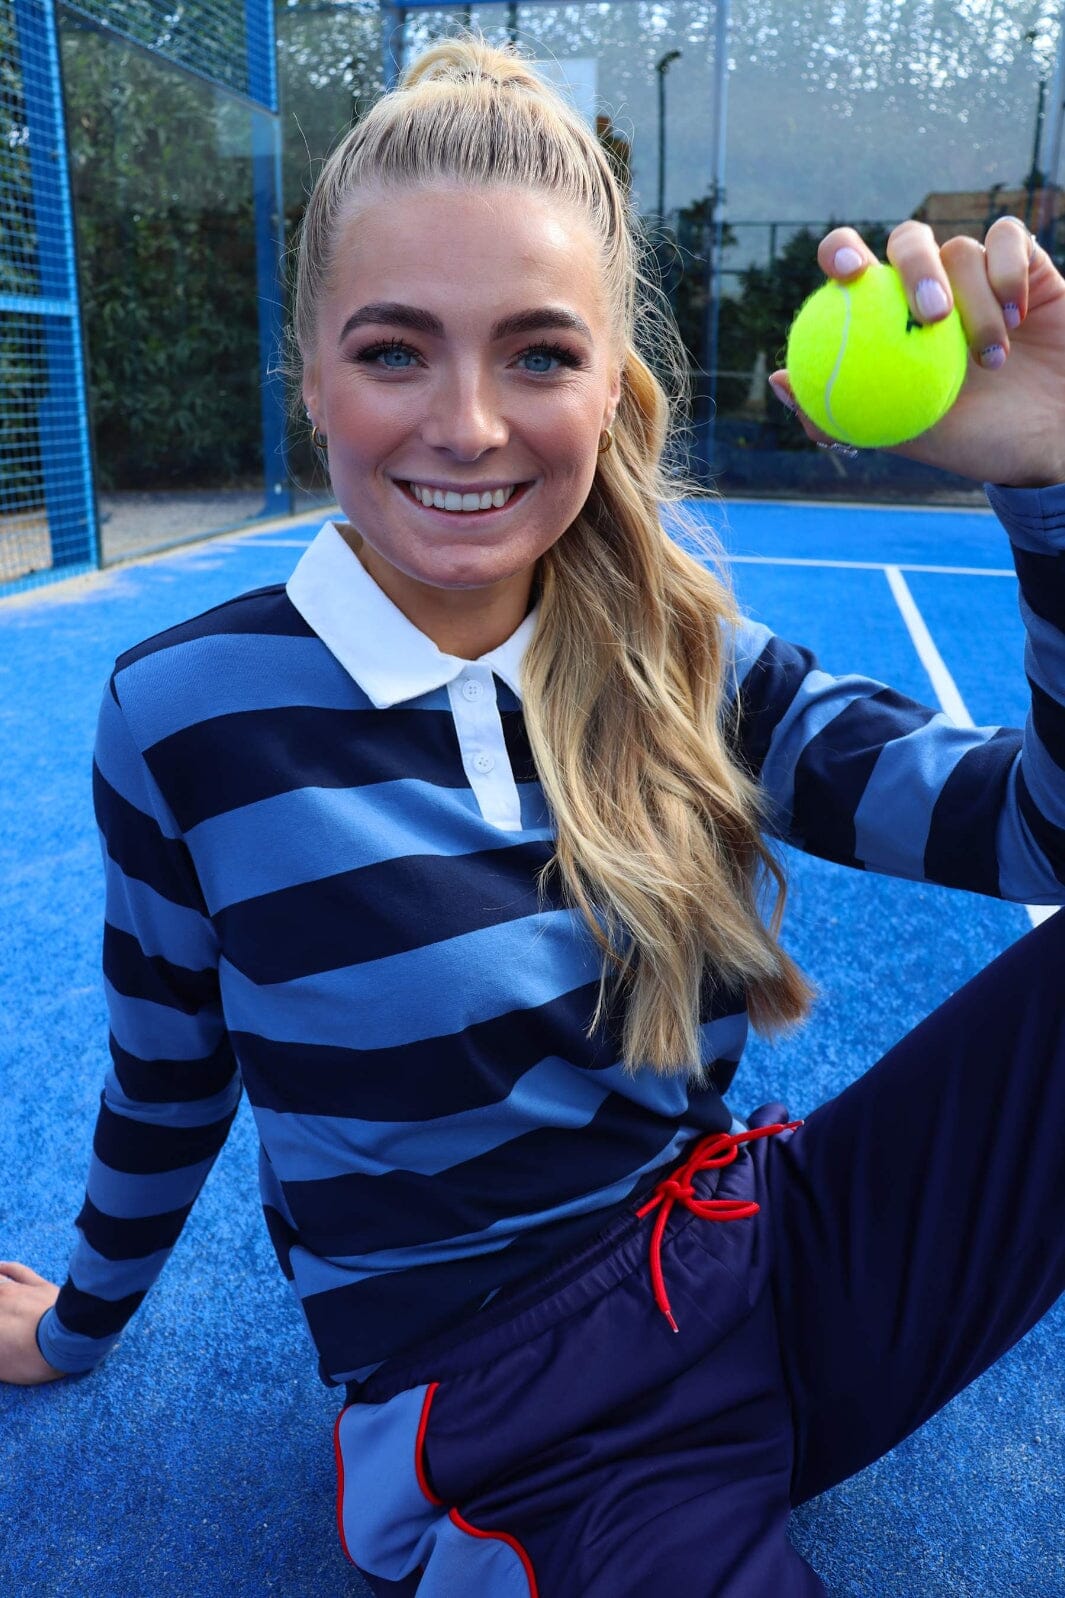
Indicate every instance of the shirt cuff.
{"type": "Point", "coordinates": [1034, 518]}
{"type": "Point", "coordinates": [70, 1352]}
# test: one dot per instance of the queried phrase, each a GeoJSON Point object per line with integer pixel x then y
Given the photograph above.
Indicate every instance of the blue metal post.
{"type": "Point", "coordinates": [269, 250]}
{"type": "Point", "coordinates": [62, 418]}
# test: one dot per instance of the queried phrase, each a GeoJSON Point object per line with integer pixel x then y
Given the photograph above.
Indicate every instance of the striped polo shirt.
{"type": "Point", "coordinates": [322, 839]}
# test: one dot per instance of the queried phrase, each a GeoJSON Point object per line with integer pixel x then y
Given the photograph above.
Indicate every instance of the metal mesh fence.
{"type": "Point", "coordinates": [46, 507]}
{"type": "Point", "coordinates": [227, 41]}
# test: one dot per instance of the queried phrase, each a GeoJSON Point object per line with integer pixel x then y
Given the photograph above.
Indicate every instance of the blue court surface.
{"type": "Point", "coordinates": [198, 1459]}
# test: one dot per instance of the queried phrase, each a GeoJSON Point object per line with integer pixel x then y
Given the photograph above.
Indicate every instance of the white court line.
{"type": "Point", "coordinates": [871, 565]}
{"type": "Point", "coordinates": [945, 687]}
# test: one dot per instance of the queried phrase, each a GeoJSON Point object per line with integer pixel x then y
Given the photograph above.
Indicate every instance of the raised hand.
{"type": "Point", "coordinates": [1008, 424]}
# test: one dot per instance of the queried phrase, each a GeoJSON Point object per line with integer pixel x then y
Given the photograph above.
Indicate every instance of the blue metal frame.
{"type": "Point", "coordinates": [63, 423]}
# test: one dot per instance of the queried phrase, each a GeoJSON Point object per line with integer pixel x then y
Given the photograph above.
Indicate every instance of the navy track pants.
{"type": "Point", "coordinates": [567, 1443]}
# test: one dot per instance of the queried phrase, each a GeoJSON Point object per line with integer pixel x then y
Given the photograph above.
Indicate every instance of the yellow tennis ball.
{"type": "Point", "coordinates": [865, 370]}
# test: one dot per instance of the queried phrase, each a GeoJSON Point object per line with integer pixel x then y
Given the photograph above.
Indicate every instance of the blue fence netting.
{"type": "Point", "coordinates": [48, 517]}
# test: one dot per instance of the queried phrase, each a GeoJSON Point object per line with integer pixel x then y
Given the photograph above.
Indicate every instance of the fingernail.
{"type": "Point", "coordinates": [837, 449]}
{"type": "Point", "coordinates": [1012, 315]}
{"type": "Point", "coordinates": [931, 297]}
{"type": "Point", "coordinates": [992, 357]}
{"type": "Point", "coordinates": [847, 261]}
{"type": "Point", "coordinates": [782, 395]}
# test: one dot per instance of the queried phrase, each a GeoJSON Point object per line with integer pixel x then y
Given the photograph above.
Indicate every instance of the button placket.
{"type": "Point", "coordinates": [484, 752]}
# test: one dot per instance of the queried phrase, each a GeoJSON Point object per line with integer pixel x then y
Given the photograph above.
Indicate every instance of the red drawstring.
{"type": "Point", "coordinates": [719, 1148]}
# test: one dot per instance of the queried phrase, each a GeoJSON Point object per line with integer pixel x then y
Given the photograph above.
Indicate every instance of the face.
{"type": "Point", "coordinates": [423, 390]}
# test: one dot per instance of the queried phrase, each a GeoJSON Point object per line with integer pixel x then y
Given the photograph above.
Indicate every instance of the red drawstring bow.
{"type": "Point", "coordinates": [718, 1149]}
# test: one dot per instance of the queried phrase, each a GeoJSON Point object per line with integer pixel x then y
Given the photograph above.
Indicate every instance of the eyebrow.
{"type": "Point", "coordinates": [418, 321]}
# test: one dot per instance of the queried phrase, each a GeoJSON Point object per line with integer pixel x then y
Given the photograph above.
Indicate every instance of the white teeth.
{"type": "Point", "coordinates": [490, 499]}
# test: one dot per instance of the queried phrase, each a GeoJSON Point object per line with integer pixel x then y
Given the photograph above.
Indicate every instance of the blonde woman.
{"type": "Point", "coordinates": [453, 853]}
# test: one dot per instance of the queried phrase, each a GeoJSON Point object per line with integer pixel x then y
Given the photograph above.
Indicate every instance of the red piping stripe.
{"type": "Point", "coordinates": [340, 1488]}
{"type": "Point", "coordinates": [503, 1537]}
{"type": "Point", "coordinates": [419, 1446]}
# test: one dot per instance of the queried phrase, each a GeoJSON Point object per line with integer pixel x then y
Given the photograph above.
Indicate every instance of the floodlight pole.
{"type": "Point", "coordinates": [662, 68]}
{"type": "Point", "coordinates": [717, 217]}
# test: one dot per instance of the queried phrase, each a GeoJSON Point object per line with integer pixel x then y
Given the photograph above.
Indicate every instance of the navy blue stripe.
{"type": "Point", "coordinates": [518, 749]}
{"type": "Point", "coordinates": [94, 1317]}
{"type": "Point", "coordinates": [174, 1081]}
{"type": "Point", "coordinates": [141, 850]}
{"type": "Point", "coordinates": [962, 848]}
{"type": "Point", "coordinates": [130, 1239]}
{"type": "Point", "coordinates": [1050, 838]}
{"type": "Point", "coordinates": [283, 1238]}
{"type": "Point", "coordinates": [262, 610]}
{"type": "Point", "coordinates": [834, 768]}
{"type": "Point", "coordinates": [1043, 580]}
{"type": "Point", "coordinates": [379, 910]}
{"type": "Point", "coordinates": [1048, 718]}
{"type": "Point", "coordinates": [419, 1081]}
{"type": "Point", "coordinates": [143, 1148]}
{"type": "Point", "coordinates": [765, 697]}
{"type": "Point", "coordinates": [545, 1167]}
{"type": "Point", "coordinates": [130, 971]}
{"type": "Point", "coordinates": [226, 761]}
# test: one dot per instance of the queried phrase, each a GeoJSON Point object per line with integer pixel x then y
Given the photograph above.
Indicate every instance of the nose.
{"type": "Point", "coordinates": [465, 417]}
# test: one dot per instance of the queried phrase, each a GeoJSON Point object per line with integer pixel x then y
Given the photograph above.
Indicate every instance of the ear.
{"type": "Point", "coordinates": [310, 393]}
{"type": "Point", "coordinates": [615, 396]}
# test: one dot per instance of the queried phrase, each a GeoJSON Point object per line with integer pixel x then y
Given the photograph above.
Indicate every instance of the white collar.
{"type": "Point", "coordinates": [389, 658]}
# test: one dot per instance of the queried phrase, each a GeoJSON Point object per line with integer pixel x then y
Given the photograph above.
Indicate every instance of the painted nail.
{"type": "Point", "coordinates": [847, 261]}
{"type": "Point", "coordinates": [1012, 315]}
{"type": "Point", "coordinates": [992, 357]}
{"type": "Point", "coordinates": [837, 449]}
{"type": "Point", "coordinates": [782, 395]}
{"type": "Point", "coordinates": [931, 297]}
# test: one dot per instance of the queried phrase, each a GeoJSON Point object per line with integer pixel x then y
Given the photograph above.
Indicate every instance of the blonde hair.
{"type": "Point", "coordinates": [658, 836]}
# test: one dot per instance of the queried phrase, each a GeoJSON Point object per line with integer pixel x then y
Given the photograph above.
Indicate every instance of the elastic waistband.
{"type": "Point", "coordinates": [622, 1246]}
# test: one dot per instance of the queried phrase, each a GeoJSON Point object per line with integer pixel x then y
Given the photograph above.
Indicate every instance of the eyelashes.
{"type": "Point", "coordinates": [559, 352]}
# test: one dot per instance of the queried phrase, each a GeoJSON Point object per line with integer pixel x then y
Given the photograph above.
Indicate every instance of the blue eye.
{"type": "Point", "coordinates": [551, 352]}
{"type": "Point", "coordinates": [395, 346]}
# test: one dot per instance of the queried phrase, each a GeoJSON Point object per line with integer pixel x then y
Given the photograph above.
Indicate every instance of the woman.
{"type": "Point", "coordinates": [452, 851]}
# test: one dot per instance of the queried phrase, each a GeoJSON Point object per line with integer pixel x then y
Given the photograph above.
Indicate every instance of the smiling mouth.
{"type": "Point", "coordinates": [455, 504]}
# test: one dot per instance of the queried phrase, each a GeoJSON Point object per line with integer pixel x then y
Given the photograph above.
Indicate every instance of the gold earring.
{"type": "Point", "coordinates": [609, 437]}
{"type": "Point", "coordinates": [318, 439]}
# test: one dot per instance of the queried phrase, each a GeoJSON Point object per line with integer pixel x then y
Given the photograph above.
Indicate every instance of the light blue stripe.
{"type": "Point", "coordinates": [385, 1514]}
{"type": "Point", "coordinates": [180, 1113]}
{"type": "Point", "coordinates": [894, 815]}
{"type": "Point", "coordinates": [241, 671]}
{"type": "Point", "coordinates": [818, 701]}
{"type": "Point", "coordinates": [71, 1351]}
{"type": "Point", "coordinates": [177, 932]}
{"type": "Point", "coordinates": [422, 993]}
{"type": "Point", "coordinates": [127, 1196]}
{"type": "Point", "coordinates": [153, 1031]}
{"type": "Point", "coordinates": [122, 766]}
{"type": "Point", "coordinates": [1044, 776]}
{"type": "Point", "coordinates": [94, 1273]}
{"type": "Point", "coordinates": [1044, 652]}
{"type": "Point", "coordinates": [1024, 875]}
{"type": "Point", "coordinates": [309, 1148]}
{"type": "Point", "coordinates": [747, 643]}
{"type": "Point", "coordinates": [310, 833]}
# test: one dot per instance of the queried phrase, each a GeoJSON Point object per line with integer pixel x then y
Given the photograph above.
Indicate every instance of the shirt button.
{"type": "Point", "coordinates": [483, 762]}
{"type": "Point", "coordinates": [472, 690]}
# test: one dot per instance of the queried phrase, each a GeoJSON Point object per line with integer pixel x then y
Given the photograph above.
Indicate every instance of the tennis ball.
{"type": "Point", "coordinates": [865, 370]}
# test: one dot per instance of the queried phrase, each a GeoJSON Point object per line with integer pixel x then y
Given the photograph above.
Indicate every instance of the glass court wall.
{"type": "Point", "coordinates": [141, 375]}
{"type": "Point", "coordinates": [746, 128]}
{"type": "Point", "coordinates": [141, 292]}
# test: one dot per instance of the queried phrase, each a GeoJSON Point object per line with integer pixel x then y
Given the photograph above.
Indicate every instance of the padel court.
{"type": "Point", "coordinates": [198, 1460]}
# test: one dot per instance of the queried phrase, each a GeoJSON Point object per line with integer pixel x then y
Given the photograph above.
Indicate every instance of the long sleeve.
{"type": "Point", "coordinates": [172, 1090]}
{"type": "Point", "coordinates": [857, 773]}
